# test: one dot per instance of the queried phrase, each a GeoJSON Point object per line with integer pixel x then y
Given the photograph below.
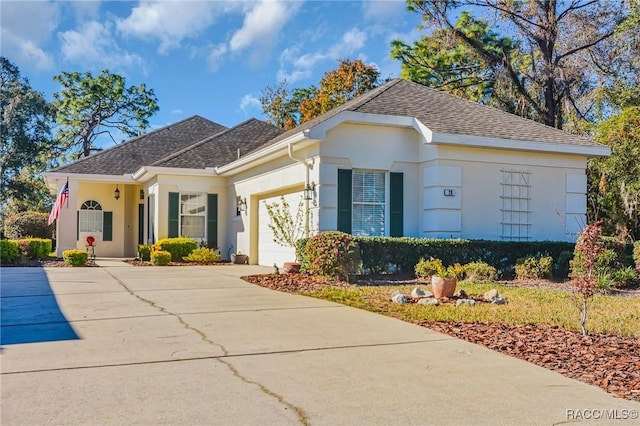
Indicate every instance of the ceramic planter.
{"type": "Point", "coordinates": [291, 267]}
{"type": "Point", "coordinates": [239, 258]}
{"type": "Point", "coordinates": [443, 287]}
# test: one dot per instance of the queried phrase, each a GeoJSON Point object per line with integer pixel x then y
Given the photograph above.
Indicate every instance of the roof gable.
{"type": "Point", "coordinates": [223, 147]}
{"type": "Point", "coordinates": [443, 113]}
{"type": "Point", "coordinates": [129, 156]}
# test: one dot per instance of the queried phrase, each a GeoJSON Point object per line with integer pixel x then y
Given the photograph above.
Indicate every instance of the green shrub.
{"type": "Point", "coordinates": [636, 254]}
{"type": "Point", "coordinates": [144, 252]}
{"type": "Point", "coordinates": [160, 257]}
{"type": "Point", "coordinates": [480, 271]}
{"type": "Point", "coordinates": [203, 256]}
{"type": "Point", "coordinates": [178, 247]}
{"type": "Point", "coordinates": [28, 224]}
{"type": "Point", "coordinates": [75, 257]}
{"type": "Point", "coordinates": [37, 248]}
{"type": "Point", "coordinates": [534, 267]}
{"type": "Point", "coordinates": [562, 265]}
{"type": "Point", "coordinates": [607, 260]}
{"type": "Point", "coordinates": [624, 277]}
{"type": "Point", "coordinates": [428, 267]}
{"type": "Point", "coordinates": [8, 251]}
{"type": "Point", "coordinates": [333, 254]}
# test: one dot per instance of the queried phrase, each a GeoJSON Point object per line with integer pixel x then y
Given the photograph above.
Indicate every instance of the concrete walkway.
{"type": "Point", "coordinates": [197, 345]}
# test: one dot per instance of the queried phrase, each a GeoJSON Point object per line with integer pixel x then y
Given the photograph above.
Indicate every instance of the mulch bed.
{"type": "Point", "coordinates": [609, 361]}
{"type": "Point", "coordinates": [138, 262]}
{"type": "Point", "coordinates": [50, 262]}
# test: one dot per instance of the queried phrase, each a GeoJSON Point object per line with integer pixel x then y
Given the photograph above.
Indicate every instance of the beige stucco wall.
{"type": "Point", "coordinates": [558, 193]}
{"type": "Point", "coordinates": [384, 148]}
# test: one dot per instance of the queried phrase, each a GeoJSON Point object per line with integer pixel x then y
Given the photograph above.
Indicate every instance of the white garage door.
{"type": "Point", "coordinates": [269, 252]}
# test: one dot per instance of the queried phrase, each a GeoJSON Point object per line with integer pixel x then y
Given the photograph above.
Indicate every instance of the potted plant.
{"type": "Point", "coordinates": [286, 228]}
{"type": "Point", "coordinates": [444, 283]}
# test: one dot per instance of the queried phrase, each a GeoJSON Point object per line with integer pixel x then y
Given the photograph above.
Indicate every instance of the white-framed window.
{"type": "Point", "coordinates": [193, 215]}
{"type": "Point", "coordinates": [369, 203]}
{"type": "Point", "coordinates": [516, 205]}
{"type": "Point", "coordinates": [90, 218]}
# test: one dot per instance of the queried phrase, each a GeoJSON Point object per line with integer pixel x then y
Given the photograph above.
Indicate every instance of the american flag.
{"type": "Point", "coordinates": [62, 198]}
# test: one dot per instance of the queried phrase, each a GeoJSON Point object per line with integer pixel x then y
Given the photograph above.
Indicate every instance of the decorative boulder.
{"type": "Point", "coordinates": [428, 302]}
{"type": "Point", "coordinates": [499, 300]}
{"type": "Point", "coordinates": [417, 292]}
{"type": "Point", "coordinates": [399, 298]}
{"type": "Point", "coordinates": [462, 294]}
{"type": "Point", "coordinates": [467, 302]}
{"type": "Point", "coordinates": [490, 295]}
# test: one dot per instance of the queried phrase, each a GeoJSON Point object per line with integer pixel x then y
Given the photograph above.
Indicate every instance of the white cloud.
{"type": "Point", "coordinates": [216, 56]}
{"type": "Point", "coordinates": [250, 103]}
{"type": "Point", "coordinates": [171, 21]}
{"type": "Point", "coordinates": [261, 28]}
{"type": "Point", "coordinates": [24, 44]}
{"type": "Point", "coordinates": [177, 111]}
{"type": "Point", "coordinates": [303, 65]}
{"type": "Point", "coordinates": [383, 11]}
{"type": "Point", "coordinates": [93, 45]}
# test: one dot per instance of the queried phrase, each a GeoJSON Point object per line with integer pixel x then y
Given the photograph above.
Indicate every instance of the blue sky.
{"type": "Point", "coordinates": [210, 58]}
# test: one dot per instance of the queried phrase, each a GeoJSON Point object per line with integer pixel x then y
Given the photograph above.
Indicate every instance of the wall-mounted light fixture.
{"type": "Point", "coordinates": [309, 193]}
{"type": "Point", "coordinates": [116, 193]}
{"type": "Point", "coordinates": [142, 194]}
{"type": "Point", "coordinates": [241, 205]}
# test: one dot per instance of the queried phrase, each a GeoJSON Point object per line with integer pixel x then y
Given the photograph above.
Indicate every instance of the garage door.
{"type": "Point", "coordinates": [269, 252]}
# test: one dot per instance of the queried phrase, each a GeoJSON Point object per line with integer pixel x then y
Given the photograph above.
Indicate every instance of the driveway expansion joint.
{"type": "Point", "coordinates": [300, 414]}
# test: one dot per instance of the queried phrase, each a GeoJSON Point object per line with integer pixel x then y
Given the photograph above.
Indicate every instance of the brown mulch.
{"type": "Point", "coordinates": [609, 361]}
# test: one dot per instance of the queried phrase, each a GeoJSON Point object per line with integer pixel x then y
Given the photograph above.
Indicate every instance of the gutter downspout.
{"type": "Point", "coordinates": [307, 166]}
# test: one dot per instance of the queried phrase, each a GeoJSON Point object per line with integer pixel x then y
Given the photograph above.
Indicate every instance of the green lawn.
{"type": "Point", "coordinates": [607, 314]}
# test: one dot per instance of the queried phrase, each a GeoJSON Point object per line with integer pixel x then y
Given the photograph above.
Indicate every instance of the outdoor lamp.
{"type": "Point", "coordinates": [241, 204]}
{"type": "Point", "coordinates": [116, 193]}
{"type": "Point", "coordinates": [310, 192]}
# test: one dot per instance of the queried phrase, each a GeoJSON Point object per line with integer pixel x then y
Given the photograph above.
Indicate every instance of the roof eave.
{"type": "Point", "coordinates": [589, 150]}
{"type": "Point", "coordinates": [145, 173]}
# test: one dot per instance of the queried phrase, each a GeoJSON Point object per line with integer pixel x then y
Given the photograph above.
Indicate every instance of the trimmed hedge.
{"type": "Point", "coordinates": [160, 257]}
{"type": "Point", "coordinates": [178, 247]}
{"type": "Point", "coordinates": [404, 253]}
{"type": "Point", "coordinates": [75, 257]}
{"type": "Point", "coordinates": [39, 248]}
{"type": "Point", "coordinates": [8, 251]}
{"type": "Point", "coordinates": [203, 256]}
{"type": "Point", "coordinates": [144, 252]}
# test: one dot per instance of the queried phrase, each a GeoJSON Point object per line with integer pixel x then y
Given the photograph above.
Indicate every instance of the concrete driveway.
{"type": "Point", "coordinates": [197, 345]}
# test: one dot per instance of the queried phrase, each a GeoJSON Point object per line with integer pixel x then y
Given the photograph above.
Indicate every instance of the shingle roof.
{"type": "Point", "coordinates": [144, 150]}
{"type": "Point", "coordinates": [445, 113]}
{"type": "Point", "coordinates": [222, 148]}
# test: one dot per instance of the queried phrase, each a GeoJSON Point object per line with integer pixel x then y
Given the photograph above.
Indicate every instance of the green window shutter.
{"type": "Point", "coordinates": [344, 200]}
{"type": "Point", "coordinates": [174, 208]}
{"type": "Point", "coordinates": [212, 220]}
{"type": "Point", "coordinates": [396, 198]}
{"type": "Point", "coordinates": [107, 226]}
{"type": "Point", "coordinates": [78, 225]}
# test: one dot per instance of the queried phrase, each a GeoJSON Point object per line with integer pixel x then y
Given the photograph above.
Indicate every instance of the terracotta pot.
{"type": "Point", "coordinates": [291, 267]}
{"type": "Point", "coordinates": [239, 258]}
{"type": "Point", "coordinates": [443, 287]}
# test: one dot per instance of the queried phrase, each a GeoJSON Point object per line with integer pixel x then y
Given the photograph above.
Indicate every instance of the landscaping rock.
{"type": "Point", "coordinates": [417, 292]}
{"type": "Point", "coordinates": [463, 294]}
{"type": "Point", "coordinates": [490, 295]}
{"type": "Point", "coordinates": [467, 302]}
{"type": "Point", "coordinates": [428, 302]}
{"type": "Point", "coordinates": [499, 300]}
{"type": "Point", "coordinates": [399, 298]}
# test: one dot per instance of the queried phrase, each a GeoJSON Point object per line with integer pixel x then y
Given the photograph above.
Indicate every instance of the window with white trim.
{"type": "Point", "coordinates": [516, 205]}
{"type": "Point", "coordinates": [368, 203]}
{"type": "Point", "coordinates": [193, 215]}
{"type": "Point", "coordinates": [90, 218]}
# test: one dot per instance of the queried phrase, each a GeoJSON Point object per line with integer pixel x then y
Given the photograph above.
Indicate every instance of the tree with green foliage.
{"type": "Point", "coordinates": [26, 146]}
{"type": "Point", "coordinates": [555, 62]}
{"type": "Point", "coordinates": [289, 109]}
{"type": "Point", "coordinates": [88, 107]}
{"type": "Point", "coordinates": [614, 182]}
